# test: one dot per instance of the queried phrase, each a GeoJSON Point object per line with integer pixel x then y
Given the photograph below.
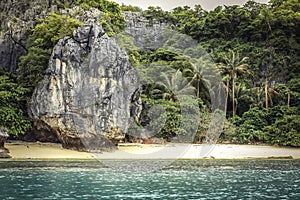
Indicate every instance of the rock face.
{"type": "Point", "coordinates": [16, 20]}
{"type": "Point", "coordinates": [147, 34]}
{"type": "Point", "coordinates": [3, 151]}
{"type": "Point", "coordinates": [89, 96]}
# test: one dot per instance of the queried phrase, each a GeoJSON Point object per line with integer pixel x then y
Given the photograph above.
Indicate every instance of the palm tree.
{"type": "Point", "coordinates": [241, 92]}
{"type": "Point", "coordinates": [234, 66]}
{"type": "Point", "coordinates": [225, 85]}
{"type": "Point", "coordinates": [257, 97]}
{"type": "Point", "coordinates": [198, 74]}
{"type": "Point", "coordinates": [270, 94]}
{"type": "Point", "coordinates": [264, 95]}
{"type": "Point", "coordinates": [175, 86]}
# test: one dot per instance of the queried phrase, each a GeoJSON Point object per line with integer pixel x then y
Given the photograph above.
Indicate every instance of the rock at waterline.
{"type": "Point", "coordinates": [3, 137]}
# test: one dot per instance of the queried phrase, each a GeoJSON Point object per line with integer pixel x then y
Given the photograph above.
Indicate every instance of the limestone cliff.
{"type": "Point", "coordinates": [86, 98]}
{"type": "Point", "coordinates": [17, 18]}
{"type": "Point", "coordinates": [90, 94]}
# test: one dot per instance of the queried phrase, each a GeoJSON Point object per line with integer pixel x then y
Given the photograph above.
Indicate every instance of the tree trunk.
{"type": "Point", "coordinates": [233, 104]}
{"type": "Point", "coordinates": [266, 94]}
{"type": "Point", "coordinates": [227, 94]}
{"type": "Point", "coordinates": [198, 89]}
{"type": "Point", "coordinates": [289, 99]}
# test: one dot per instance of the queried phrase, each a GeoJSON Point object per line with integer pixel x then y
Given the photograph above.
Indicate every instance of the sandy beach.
{"type": "Point", "coordinates": [23, 150]}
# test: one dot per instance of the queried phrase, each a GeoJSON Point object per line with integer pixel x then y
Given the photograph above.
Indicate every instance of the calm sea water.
{"type": "Point", "coordinates": [183, 179]}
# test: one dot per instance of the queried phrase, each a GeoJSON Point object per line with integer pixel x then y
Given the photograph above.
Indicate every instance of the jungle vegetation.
{"type": "Point", "coordinates": [255, 48]}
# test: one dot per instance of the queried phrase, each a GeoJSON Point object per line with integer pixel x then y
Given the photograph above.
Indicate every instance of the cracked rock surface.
{"type": "Point", "coordinates": [86, 99]}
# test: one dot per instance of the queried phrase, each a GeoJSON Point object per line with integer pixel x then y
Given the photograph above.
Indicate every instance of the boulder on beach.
{"type": "Point", "coordinates": [3, 137]}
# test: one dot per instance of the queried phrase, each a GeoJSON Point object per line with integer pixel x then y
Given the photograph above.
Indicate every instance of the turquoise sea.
{"type": "Point", "coordinates": [181, 179]}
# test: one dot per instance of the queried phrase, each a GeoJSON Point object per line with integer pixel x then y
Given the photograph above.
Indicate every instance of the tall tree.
{"type": "Point", "coordinates": [225, 84]}
{"type": "Point", "coordinates": [241, 93]}
{"type": "Point", "coordinates": [234, 66]}
{"type": "Point", "coordinates": [197, 75]}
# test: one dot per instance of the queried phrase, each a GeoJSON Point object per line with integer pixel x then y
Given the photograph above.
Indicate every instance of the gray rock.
{"type": "Point", "coordinates": [17, 19]}
{"type": "Point", "coordinates": [147, 34]}
{"type": "Point", "coordinates": [87, 97]}
{"type": "Point", "coordinates": [3, 137]}
{"type": "Point", "coordinates": [91, 95]}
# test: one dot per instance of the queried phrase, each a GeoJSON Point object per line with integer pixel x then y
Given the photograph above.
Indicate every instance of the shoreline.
{"type": "Point", "coordinates": [171, 151]}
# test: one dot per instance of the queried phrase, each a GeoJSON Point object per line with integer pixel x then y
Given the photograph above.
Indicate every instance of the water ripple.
{"type": "Point", "coordinates": [202, 179]}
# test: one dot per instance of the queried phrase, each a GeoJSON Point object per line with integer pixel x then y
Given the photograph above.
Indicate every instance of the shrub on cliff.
{"type": "Point", "coordinates": [40, 44]}
{"type": "Point", "coordinates": [111, 19]}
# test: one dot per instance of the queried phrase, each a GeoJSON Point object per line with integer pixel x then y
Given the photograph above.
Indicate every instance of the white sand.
{"type": "Point", "coordinates": [43, 151]}
{"type": "Point", "coordinates": [184, 151]}
{"type": "Point", "coordinates": [144, 151]}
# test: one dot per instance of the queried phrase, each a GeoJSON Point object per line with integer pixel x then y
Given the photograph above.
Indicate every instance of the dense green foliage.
{"type": "Point", "coordinates": [111, 19]}
{"type": "Point", "coordinates": [12, 95]}
{"type": "Point", "coordinates": [284, 131]}
{"type": "Point", "coordinates": [255, 47]}
{"type": "Point", "coordinates": [130, 8]}
{"type": "Point", "coordinates": [40, 44]}
{"type": "Point", "coordinates": [278, 125]}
